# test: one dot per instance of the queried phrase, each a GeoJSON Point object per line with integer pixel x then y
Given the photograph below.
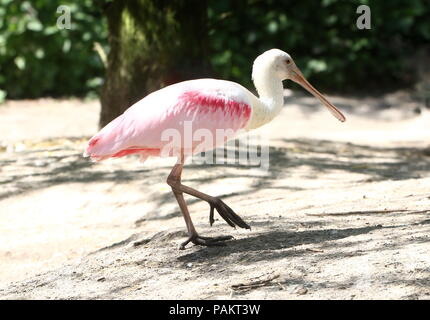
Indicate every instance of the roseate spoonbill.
{"type": "Point", "coordinates": [210, 104]}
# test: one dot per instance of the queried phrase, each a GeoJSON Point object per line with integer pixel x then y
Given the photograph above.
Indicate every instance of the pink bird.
{"type": "Point", "coordinates": [207, 104]}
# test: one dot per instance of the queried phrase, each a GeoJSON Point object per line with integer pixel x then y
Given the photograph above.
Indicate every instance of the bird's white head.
{"type": "Point", "coordinates": [273, 62]}
{"type": "Point", "coordinates": [278, 65]}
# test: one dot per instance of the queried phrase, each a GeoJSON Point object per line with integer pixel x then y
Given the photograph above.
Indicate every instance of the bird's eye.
{"type": "Point", "coordinates": [288, 61]}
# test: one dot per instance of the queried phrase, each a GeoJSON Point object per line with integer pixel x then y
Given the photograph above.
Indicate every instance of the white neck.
{"type": "Point", "coordinates": [270, 101]}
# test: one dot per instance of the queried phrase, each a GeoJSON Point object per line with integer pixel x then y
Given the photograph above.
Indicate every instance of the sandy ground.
{"type": "Point", "coordinates": [342, 212]}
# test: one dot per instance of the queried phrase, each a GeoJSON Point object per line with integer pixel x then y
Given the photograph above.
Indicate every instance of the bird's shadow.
{"type": "Point", "coordinates": [271, 245]}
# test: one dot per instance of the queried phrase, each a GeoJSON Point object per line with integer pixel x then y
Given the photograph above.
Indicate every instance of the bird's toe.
{"type": "Point", "coordinates": [227, 214]}
{"type": "Point", "coordinates": [206, 241]}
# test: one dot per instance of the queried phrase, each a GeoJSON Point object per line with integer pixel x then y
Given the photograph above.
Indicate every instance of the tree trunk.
{"type": "Point", "coordinates": [153, 43]}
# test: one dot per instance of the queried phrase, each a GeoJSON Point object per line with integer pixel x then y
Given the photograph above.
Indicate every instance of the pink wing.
{"type": "Point", "coordinates": [193, 114]}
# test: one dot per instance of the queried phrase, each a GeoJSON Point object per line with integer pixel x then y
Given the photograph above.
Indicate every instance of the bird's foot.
{"type": "Point", "coordinates": [226, 213]}
{"type": "Point", "coordinates": [205, 241]}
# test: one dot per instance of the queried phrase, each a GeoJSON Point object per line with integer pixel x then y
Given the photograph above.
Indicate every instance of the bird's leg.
{"type": "Point", "coordinates": [216, 203]}
{"type": "Point", "coordinates": [174, 180]}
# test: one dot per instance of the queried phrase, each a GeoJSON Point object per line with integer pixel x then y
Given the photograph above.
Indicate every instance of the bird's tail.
{"type": "Point", "coordinates": [107, 141]}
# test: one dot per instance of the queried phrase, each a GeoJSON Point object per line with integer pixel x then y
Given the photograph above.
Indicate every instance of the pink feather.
{"type": "Point", "coordinates": [206, 104]}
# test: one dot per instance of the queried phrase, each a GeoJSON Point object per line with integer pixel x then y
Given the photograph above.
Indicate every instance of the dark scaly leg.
{"type": "Point", "coordinates": [174, 180]}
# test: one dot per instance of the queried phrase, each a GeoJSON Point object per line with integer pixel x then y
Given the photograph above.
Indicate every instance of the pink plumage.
{"type": "Point", "coordinates": [206, 104]}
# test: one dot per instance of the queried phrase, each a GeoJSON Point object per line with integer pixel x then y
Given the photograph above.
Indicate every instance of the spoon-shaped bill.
{"type": "Point", "coordinates": [298, 77]}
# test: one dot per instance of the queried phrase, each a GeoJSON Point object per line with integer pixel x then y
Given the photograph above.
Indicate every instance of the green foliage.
{"type": "Point", "coordinates": [37, 58]}
{"type": "Point", "coordinates": [323, 39]}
